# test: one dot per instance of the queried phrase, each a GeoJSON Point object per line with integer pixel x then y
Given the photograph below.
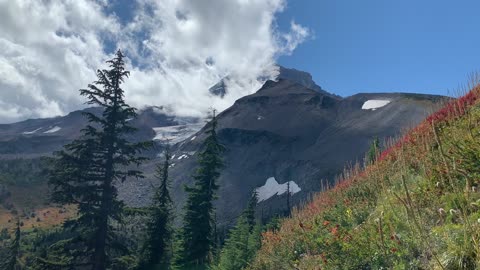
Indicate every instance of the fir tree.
{"type": "Point", "coordinates": [86, 170]}
{"type": "Point", "coordinates": [243, 241]}
{"type": "Point", "coordinates": [12, 261]}
{"type": "Point", "coordinates": [254, 241]}
{"type": "Point", "coordinates": [159, 227]}
{"type": "Point", "coordinates": [249, 212]}
{"type": "Point", "coordinates": [373, 151]}
{"type": "Point", "coordinates": [197, 237]}
{"type": "Point", "coordinates": [234, 253]}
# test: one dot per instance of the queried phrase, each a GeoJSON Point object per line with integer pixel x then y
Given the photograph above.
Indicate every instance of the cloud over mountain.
{"type": "Point", "coordinates": [176, 49]}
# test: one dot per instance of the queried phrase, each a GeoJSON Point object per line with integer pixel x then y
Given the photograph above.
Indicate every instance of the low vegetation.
{"type": "Point", "coordinates": [416, 206]}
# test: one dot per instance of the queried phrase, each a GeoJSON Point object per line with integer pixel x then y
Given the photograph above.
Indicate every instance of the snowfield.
{"type": "Point", "coordinates": [374, 104]}
{"type": "Point", "coordinates": [31, 132]}
{"type": "Point", "coordinates": [175, 134]}
{"type": "Point", "coordinates": [272, 188]}
{"type": "Point", "coordinates": [53, 130]}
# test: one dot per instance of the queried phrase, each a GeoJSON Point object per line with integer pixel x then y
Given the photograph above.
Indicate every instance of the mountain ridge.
{"type": "Point", "coordinates": [291, 74]}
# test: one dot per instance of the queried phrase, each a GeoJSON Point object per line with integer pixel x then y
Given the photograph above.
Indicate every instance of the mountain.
{"type": "Point", "coordinates": [40, 137]}
{"type": "Point", "coordinates": [287, 132]}
{"type": "Point", "coordinates": [416, 207]}
{"type": "Point", "coordinates": [301, 77]}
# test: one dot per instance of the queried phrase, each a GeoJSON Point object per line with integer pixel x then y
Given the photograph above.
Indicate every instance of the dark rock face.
{"type": "Point", "coordinates": [303, 78]}
{"type": "Point", "coordinates": [219, 89]}
{"type": "Point", "coordinates": [292, 133]}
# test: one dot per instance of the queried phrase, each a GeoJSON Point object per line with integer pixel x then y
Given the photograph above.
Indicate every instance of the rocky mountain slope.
{"type": "Point", "coordinates": [290, 131]}
{"type": "Point", "coordinates": [287, 132]}
{"type": "Point", "coordinates": [40, 137]}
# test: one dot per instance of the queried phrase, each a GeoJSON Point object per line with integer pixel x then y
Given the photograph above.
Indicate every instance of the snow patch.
{"type": "Point", "coordinates": [272, 188]}
{"type": "Point", "coordinates": [182, 157]}
{"type": "Point", "coordinates": [175, 134]}
{"type": "Point", "coordinates": [31, 132]}
{"type": "Point", "coordinates": [374, 104]}
{"type": "Point", "coordinates": [53, 130]}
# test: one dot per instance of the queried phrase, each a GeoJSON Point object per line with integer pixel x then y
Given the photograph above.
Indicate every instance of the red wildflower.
{"type": "Point", "coordinates": [324, 259]}
{"type": "Point", "coordinates": [334, 230]}
{"type": "Point", "coordinates": [347, 238]}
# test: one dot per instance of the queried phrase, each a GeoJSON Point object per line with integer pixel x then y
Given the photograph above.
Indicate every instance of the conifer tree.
{"type": "Point", "coordinates": [373, 151]}
{"type": "Point", "coordinates": [159, 227]}
{"type": "Point", "coordinates": [254, 241]}
{"type": "Point", "coordinates": [12, 261]}
{"type": "Point", "coordinates": [243, 241]}
{"type": "Point", "coordinates": [250, 210]}
{"type": "Point", "coordinates": [86, 170]}
{"type": "Point", "coordinates": [196, 236]}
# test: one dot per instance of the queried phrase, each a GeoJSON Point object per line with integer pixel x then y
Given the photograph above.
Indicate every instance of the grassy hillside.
{"type": "Point", "coordinates": [24, 194]}
{"type": "Point", "coordinates": [416, 207]}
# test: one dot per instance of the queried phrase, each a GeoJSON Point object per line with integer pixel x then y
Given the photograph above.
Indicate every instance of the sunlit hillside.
{"type": "Point", "coordinates": [416, 207]}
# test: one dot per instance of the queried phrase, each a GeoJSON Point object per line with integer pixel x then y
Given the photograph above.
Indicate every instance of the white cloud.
{"type": "Point", "coordinates": [177, 50]}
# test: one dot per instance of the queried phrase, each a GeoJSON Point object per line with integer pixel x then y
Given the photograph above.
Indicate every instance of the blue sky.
{"type": "Point", "coordinates": [427, 46]}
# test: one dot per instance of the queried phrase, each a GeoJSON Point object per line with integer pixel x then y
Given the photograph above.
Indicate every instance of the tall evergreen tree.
{"type": "Point", "coordinates": [249, 212]}
{"type": "Point", "coordinates": [197, 239]}
{"type": "Point", "coordinates": [243, 241]}
{"type": "Point", "coordinates": [159, 227]}
{"type": "Point", "coordinates": [86, 170]}
{"type": "Point", "coordinates": [12, 261]}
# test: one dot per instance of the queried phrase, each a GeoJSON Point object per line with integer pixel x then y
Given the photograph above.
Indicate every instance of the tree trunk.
{"type": "Point", "coordinates": [99, 256]}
